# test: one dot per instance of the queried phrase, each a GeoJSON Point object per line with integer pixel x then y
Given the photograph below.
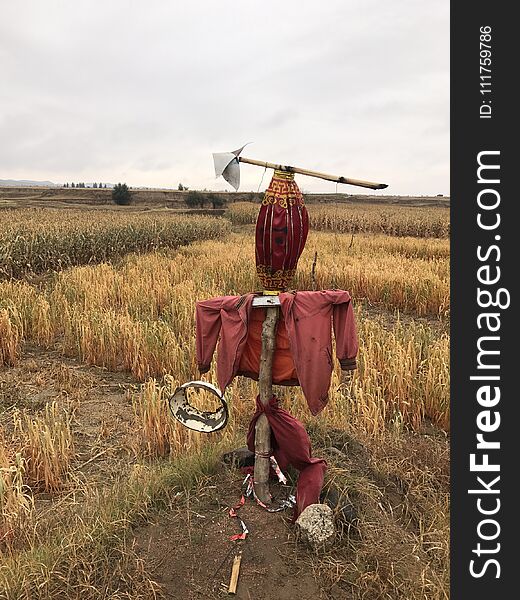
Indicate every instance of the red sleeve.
{"type": "Point", "coordinates": [346, 335]}
{"type": "Point", "coordinates": [208, 323]}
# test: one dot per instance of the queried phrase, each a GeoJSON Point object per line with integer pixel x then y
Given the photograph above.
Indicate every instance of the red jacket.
{"type": "Point", "coordinates": [304, 336]}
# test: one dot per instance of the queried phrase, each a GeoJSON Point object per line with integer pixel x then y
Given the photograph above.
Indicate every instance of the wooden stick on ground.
{"type": "Point", "coordinates": [235, 572]}
{"type": "Point", "coordinates": [265, 388]}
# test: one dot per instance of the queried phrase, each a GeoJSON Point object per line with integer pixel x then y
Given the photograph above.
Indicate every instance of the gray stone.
{"type": "Point", "coordinates": [316, 526]}
{"type": "Point", "coordinates": [241, 457]}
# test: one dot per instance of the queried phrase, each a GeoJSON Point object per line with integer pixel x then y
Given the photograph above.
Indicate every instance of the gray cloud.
{"type": "Point", "coordinates": [96, 90]}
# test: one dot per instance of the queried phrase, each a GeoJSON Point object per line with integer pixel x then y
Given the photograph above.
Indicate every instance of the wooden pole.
{"type": "Point", "coordinates": [289, 169]}
{"type": "Point", "coordinates": [265, 388]}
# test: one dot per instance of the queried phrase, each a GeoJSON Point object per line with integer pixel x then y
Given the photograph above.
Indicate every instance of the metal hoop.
{"type": "Point", "coordinates": [193, 418]}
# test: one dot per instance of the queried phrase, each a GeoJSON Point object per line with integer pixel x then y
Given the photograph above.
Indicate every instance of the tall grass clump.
{"type": "Point", "coordinates": [16, 501]}
{"type": "Point", "coordinates": [11, 334]}
{"type": "Point", "coordinates": [47, 447]}
{"type": "Point", "coordinates": [155, 426]}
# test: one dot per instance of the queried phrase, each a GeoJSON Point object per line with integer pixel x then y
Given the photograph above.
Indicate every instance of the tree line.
{"type": "Point", "coordinates": [195, 199]}
{"type": "Point", "coordinates": [82, 185]}
{"type": "Point", "coordinates": [122, 195]}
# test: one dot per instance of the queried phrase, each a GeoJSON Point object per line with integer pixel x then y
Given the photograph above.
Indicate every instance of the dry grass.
{"type": "Point", "coordinates": [412, 275]}
{"type": "Point", "coordinates": [86, 551]}
{"type": "Point", "coordinates": [366, 218]}
{"type": "Point", "coordinates": [15, 501]}
{"type": "Point", "coordinates": [408, 274]}
{"type": "Point", "coordinates": [398, 547]}
{"type": "Point", "coordinates": [11, 335]}
{"type": "Point", "coordinates": [158, 432]}
{"type": "Point", "coordinates": [47, 446]}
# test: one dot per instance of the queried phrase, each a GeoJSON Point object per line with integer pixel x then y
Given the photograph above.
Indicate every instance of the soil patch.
{"type": "Point", "coordinates": [189, 553]}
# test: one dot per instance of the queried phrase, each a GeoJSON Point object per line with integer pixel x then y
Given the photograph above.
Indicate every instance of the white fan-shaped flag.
{"type": "Point", "coordinates": [227, 165]}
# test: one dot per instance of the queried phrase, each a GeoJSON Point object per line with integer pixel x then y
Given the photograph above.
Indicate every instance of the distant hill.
{"type": "Point", "coordinates": [25, 183]}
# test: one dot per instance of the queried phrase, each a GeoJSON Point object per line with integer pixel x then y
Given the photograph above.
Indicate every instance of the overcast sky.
{"type": "Point", "coordinates": [144, 92]}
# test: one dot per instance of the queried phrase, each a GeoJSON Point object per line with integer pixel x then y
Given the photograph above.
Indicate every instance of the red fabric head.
{"type": "Point", "coordinates": [281, 232]}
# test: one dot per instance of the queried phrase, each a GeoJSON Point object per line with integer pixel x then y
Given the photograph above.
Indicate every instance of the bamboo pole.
{"type": "Point", "coordinates": [289, 169]}
{"type": "Point", "coordinates": [265, 388]}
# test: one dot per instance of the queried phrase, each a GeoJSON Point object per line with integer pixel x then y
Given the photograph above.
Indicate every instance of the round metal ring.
{"type": "Point", "coordinates": [193, 418]}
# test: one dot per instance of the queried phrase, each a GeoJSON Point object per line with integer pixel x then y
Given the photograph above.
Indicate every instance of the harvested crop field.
{"type": "Point", "coordinates": [103, 495]}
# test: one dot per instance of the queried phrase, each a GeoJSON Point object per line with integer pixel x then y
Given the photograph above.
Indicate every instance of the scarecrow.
{"type": "Point", "coordinates": [280, 336]}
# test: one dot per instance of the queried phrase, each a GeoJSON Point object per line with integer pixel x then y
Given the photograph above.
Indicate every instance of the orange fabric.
{"type": "Point", "coordinates": [284, 370]}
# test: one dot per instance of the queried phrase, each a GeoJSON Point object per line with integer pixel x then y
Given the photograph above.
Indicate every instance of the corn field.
{"type": "Point", "coordinates": [37, 241]}
{"type": "Point", "coordinates": [398, 221]}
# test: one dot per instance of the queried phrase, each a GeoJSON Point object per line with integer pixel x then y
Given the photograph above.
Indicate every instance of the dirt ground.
{"type": "Point", "coordinates": [98, 399]}
{"type": "Point", "coordinates": [190, 554]}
